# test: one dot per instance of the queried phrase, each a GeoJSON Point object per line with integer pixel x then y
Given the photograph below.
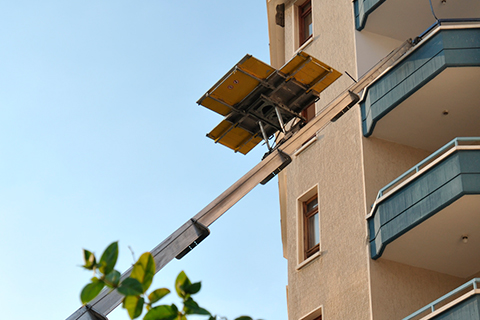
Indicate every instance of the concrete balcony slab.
{"type": "Point", "coordinates": [403, 19]}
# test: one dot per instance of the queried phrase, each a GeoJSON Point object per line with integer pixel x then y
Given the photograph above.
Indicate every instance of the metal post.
{"type": "Point", "coordinates": [264, 135]}
{"type": "Point", "coordinates": [280, 119]}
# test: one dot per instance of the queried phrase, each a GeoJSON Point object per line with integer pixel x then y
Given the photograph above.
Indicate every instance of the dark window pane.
{"type": "Point", "coordinates": [312, 205]}
{"type": "Point", "coordinates": [306, 7]}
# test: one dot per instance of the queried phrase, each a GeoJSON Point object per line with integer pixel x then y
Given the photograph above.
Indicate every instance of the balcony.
{"type": "Point", "coordinates": [461, 303]}
{"type": "Point", "coordinates": [429, 217]}
{"type": "Point", "coordinates": [403, 19]}
{"type": "Point", "coordinates": [431, 92]}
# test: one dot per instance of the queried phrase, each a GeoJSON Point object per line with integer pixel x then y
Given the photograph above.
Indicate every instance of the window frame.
{"type": "Point", "coordinates": [301, 21]}
{"type": "Point", "coordinates": [308, 252]}
{"type": "Point", "coordinates": [302, 233]}
{"type": "Point", "coordinates": [316, 314]}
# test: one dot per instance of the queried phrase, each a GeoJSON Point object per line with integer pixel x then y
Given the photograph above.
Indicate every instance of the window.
{"type": "Point", "coordinates": [308, 229]}
{"type": "Point", "coordinates": [305, 21]}
{"type": "Point", "coordinates": [314, 315]}
{"type": "Point", "coordinates": [311, 227]}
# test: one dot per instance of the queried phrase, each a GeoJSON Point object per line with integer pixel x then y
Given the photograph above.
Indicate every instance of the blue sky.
{"type": "Point", "coordinates": [101, 140]}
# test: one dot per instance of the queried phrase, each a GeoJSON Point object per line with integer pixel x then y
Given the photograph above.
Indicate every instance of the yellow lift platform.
{"type": "Point", "coordinates": [257, 100]}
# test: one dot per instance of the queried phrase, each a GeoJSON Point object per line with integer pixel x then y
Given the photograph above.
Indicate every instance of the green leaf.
{"type": "Point", "coordinates": [112, 279]}
{"type": "Point", "coordinates": [89, 259]}
{"type": "Point", "coordinates": [134, 306]}
{"type": "Point", "coordinates": [191, 307]}
{"type": "Point", "coordinates": [162, 312]}
{"type": "Point", "coordinates": [109, 258]}
{"type": "Point", "coordinates": [181, 283]}
{"type": "Point", "coordinates": [130, 287]}
{"type": "Point", "coordinates": [158, 294]}
{"type": "Point", "coordinates": [243, 318]}
{"type": "Point", "coordinates": [193, 288]}
{"type": "Point", "coordinates": [91, 290]}
{"type": "Point", "coordinates": [144, 270]}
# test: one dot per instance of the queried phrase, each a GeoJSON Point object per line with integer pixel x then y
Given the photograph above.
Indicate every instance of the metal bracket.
{"type": "Point", "coordinates": [280, 119]}
{"type": "Point", "coordinates": [355, 99]}
{"type": "Point", "coordinates": [94, 315]}
{"type": "Point", "coordinates": [202, 232]}
{"type": "Point", "coordinates": [264, 135]}
{"type": "Point", "coordinates": [286, 161]}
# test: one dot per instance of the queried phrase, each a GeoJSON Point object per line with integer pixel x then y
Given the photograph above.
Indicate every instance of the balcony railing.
{"type": "Point", "coordinates": [430, 310]}
{"type": "Point", "coordinates": [441, 179]}
{"type": "Point", "coordinates": [443, 22]}
{"type": "Point", "coordinates": [427, 163]}
{"type": "Point", "coordinates": [448, 44]}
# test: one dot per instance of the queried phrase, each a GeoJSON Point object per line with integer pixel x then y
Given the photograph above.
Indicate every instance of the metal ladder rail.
{"type": "Point", "coordinates": [188, 235]}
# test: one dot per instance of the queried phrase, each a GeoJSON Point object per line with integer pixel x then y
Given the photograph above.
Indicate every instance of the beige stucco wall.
{"type": "Point", "coordinates": [371, 48]}
{"type": "Point", "coordinates": [338, 278]}
{"type": "Point", "coordinates": [398, 290]}
{"type": "Point", "coordinates": [384, 161]}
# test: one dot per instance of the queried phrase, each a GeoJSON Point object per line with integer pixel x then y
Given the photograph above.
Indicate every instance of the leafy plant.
{"type": "Point", "coordinates": [134, 288]}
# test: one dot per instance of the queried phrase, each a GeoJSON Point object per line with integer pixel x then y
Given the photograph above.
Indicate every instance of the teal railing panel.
{"type": "Point", "coordinates": [450, 179]}
{"type": "Point", "coordinates": [362, 8]}
{"type": "Point", "coordinates": [447, 48]}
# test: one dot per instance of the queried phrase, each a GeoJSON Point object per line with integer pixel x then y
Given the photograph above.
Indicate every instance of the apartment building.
{"type": "Point", "coordinates": [380, 209]}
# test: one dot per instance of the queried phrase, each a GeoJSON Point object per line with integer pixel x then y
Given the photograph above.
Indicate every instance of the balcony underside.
{"type": "Point", "coordinates": [445, 107]}
{"type": "Point", "coordinates": [403, 19]}
{"type": "Point", "coordinates": [443, 250]}
{"type": "Point", "coordinates": [433, 93]}
{"type": "Point", "coordinates": [422, 223]}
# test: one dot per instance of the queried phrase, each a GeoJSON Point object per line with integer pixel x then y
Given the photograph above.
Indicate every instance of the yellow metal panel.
{"type": "Point", "coordinates": [309, 73]}
{"type": "Point", "coordinates": [237, 85]}
{"type": "Point", "coordinates": [256, 67]}
{"type": "Point", "coordinates": [331, 78]}
{"type": "Point", "coordinates": [219, 130]}
{"type": "Point", "coordinates": [293, 64]}
{"type": "Point", "coordinates": [306, 70]}
{"type": "Point", "coordinates": [216, 106]}
{"type": "Point", "coordinates": [234, 137]}
{"type": "Point", "coordinates": [234, 88]}
{"type": "Point", "coordinates": [250, 145]}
